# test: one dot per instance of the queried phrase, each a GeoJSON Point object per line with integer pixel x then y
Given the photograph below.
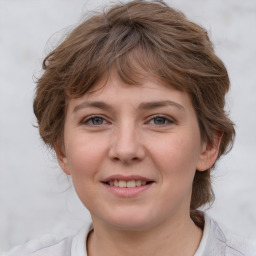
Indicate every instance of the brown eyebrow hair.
{"type": "Point", "coordinates": [143, 105]}
{"type": "Point", "coordinates": [96, 104]}
{"type": "Point", "coordinates": [158, 104]}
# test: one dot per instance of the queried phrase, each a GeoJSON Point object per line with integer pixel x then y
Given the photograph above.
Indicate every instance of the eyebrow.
{"type": "Point", "coordinates": [95, 104]}
{"type": "Point", "coordinates": [158, 104]}
{"type": "Point", "coordinates": [142, 106]}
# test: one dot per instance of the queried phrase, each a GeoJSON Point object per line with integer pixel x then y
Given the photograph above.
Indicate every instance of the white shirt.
{"type": "Point", "coordinates": [214, 243]}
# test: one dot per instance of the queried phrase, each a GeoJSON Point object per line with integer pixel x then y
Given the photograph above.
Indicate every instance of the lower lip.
{"type": "Point", "coordinates": [127, 192]}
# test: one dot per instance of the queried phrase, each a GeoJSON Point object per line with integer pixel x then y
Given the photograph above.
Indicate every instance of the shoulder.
{"type": "Point", "coordinates": [237, 245]}
{"type": "Point", "coordinates": [228, 244]}
{"type": "Point", "coordinates": [47, 245]}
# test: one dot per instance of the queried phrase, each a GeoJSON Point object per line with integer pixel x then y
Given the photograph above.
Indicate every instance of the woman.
{"type": "Point", "coordinates": [133, 102]}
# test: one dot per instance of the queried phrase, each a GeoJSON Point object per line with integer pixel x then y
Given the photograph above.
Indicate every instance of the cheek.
{"type": "Point", "coordinates": [177, 154]}
{"type": "Point", "coordinates": [85, 158]}
{"type": "Point", "coordinates": [84, 155]}
{"type": "Point", "coordinates": [176, 161]}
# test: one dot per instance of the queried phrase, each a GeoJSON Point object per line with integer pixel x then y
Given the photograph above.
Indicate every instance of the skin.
{"type": "Point", "coordinates": [129, 137]}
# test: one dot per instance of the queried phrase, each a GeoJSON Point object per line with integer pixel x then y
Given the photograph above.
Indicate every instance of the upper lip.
{"type": "Point", "coordinates": [125, 178]}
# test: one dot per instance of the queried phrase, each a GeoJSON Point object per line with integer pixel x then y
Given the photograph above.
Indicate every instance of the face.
{"type": "Point", "coordinates": [132, 152]}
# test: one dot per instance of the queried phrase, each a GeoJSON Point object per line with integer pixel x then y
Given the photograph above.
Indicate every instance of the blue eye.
{"type": "Point", "coordinates": [96, 120]}
{"type": "Point", "coordinates": [161, 121]}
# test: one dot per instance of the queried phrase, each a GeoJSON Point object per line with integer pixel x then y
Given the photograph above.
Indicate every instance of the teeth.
{"type": "Point", "coordinates": [127, 184]}
{"type": "Point", "coordinates": [138, 183]}
{"type": "Point", "coordinates": [122, 184]}
{"type": "Point", "coordinates": [131, 184]}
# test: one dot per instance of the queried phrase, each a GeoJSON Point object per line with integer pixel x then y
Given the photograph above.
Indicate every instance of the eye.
{"type": "Point", "coordinates": [161, 121]}
{"type": "Point", "coordinates": [94, 121]}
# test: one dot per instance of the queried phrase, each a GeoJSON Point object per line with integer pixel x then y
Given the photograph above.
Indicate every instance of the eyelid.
{"type": "Point", "coordinates": [171, 120]}
{"type": "Point", "coordinates": [87, 118]}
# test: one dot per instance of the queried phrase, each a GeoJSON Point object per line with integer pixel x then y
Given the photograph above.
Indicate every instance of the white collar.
{"type": "Point", "coordinates": [78, 247]}
{"type": "Point", "coordinates": [206, 232]}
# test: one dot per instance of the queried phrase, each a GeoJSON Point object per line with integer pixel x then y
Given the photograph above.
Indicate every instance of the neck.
{"type": "Point", "coordinates": [179, 238]}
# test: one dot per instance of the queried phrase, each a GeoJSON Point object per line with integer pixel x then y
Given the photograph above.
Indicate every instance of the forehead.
{"type": "Point", "coordinates": [114, 91]}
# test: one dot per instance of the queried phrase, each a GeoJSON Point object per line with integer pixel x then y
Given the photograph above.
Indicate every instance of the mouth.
{"type": "Point", "coordinates": [127, 184]}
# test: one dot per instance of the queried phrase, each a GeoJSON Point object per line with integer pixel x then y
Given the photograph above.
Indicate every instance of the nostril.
{"type": "Point", "coordinates": [115, 159]}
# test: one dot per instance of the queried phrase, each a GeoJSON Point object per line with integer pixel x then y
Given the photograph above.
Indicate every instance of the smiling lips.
{"type": "Point", "coordinates": [127, 186]}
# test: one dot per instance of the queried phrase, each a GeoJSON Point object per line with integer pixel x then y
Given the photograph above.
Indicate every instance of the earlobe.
{"type": "Point", "coordinates": [63, 161]}
{"type": "Point", "coordinates": [209, 154]}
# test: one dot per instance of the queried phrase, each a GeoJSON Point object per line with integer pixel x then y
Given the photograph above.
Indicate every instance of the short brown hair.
{"type": "Point", "coordinates": [137, 39]}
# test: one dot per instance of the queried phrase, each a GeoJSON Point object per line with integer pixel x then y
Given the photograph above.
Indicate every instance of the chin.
{"type": "Point", "coordinates": [134, 225]}
{"type": "Point", "coordinates": [132, 221]}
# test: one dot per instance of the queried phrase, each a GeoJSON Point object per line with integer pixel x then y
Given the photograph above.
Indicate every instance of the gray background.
{"type": "Point", "coordinates": [35, 197]}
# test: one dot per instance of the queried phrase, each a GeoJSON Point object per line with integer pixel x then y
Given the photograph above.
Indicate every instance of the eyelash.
{"type": "Point", "coordinates": [90, 118]}
{"type": "Point", "coordinates": [167, 120]}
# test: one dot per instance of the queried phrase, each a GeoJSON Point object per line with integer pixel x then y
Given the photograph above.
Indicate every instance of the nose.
{"type": "Point", "coordinates": [126, 145]}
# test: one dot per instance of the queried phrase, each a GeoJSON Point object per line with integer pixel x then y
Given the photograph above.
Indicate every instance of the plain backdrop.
{"type": "Point", "coordinates": [35, 196]}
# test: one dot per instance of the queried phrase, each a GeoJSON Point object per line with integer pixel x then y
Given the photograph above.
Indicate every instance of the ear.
{"type": "Point", "coordinates": [209, 153]}
{"type": "Point", "coordinates": [62, 160]}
